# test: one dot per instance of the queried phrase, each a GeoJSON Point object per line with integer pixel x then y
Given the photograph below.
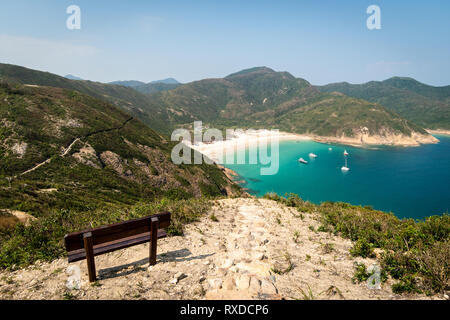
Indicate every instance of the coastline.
{"type": "Point", "coordinates": [216, 150]}
{"type": "Point", "coordinates": [393, 140]}
{"type": "Point", "coordinates": [230, 174]}
{"type": "Point", "coordinates": [439, 132]}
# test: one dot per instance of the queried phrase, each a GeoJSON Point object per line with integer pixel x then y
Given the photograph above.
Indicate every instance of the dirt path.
{"type": "Point", "coordinates": [258, 249]}
{"type": "Point", "coordinates": [67, 150]}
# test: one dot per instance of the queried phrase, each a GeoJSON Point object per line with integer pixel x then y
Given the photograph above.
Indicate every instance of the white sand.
{"type": "Point", "coordinates": [243, 140]}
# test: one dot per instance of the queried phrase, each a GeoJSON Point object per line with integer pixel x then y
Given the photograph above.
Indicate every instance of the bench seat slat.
{"type": "Point", "coordinates": [80, 254]}
{"type": "Point", "coordinates": [117, 231]}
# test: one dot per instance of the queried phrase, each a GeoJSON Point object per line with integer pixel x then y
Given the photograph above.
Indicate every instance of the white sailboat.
{"type": "Point", "coordinates": [312, 155]}
{"type": "Point", "coordinates": [329, 149]}
{"type": "Point", "coordinates": [345, 153]}
{"type": "Point", "coordinates": [345, 167]}
{"type": "Point", "coordinates": [302, 161]}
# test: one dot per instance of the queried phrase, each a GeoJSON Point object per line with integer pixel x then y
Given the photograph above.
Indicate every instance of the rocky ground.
{"type": "Point", "coordinates": [243, 249]}
{"type": "Point", "coordinates": [388, 139]}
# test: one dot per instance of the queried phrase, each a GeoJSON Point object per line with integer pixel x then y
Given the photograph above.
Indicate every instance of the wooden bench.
{"type": "Point", "coordinates": [93, 242]}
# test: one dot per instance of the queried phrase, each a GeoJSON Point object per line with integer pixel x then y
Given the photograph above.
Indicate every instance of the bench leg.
{"type": "Point", "coordinates": [153, 239]}
{"type": "Point", "coordinates": [89, 247]}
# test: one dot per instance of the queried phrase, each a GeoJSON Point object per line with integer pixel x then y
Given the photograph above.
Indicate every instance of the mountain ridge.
{"type": "Point", "coordinates": [257, 97]}
{"type": "Point", "coordinates": [128, 99]}
{"type": "Point", "coordinates": [263, 98]}
{"type": "Point", "coordinates": [428, 106]}
{"type": "Point", "coordinates": [72, 77]}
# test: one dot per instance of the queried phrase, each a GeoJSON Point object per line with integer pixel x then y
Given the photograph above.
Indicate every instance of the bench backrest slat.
{"type": "Point", "coordinates": [74, 241]}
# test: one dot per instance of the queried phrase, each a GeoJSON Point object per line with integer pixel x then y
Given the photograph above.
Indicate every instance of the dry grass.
{"type": "Point", "coordinates": [8, 222]}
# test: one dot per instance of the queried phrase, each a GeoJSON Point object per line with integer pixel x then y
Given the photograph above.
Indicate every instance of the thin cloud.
{"type": "Point", "coordinates": [44, 54]}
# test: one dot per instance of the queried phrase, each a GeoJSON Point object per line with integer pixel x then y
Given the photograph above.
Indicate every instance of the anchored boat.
{"type": "Point", "coordinates": [302, 161]}
{"type": "Point", "coordinates": [345, 167]}
{"type": "Point", "coordinates": [312, 155]}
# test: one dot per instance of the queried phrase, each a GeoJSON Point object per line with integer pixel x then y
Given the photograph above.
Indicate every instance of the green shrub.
{"type": "Point", "coordinates": [209, 190]}
{"type": "Point", "coordinates": [416, 253]}
{"type": "Point", "coordinates": [153, 171]}
{"type": "Point", "coordinates": [407, 284]}
{"type": "Point", "coordinates": [362, 248]}
{"type": "Point", "coordinates": [361, 273]}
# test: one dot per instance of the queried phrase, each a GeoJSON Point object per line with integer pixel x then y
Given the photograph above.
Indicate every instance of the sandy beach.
{"type": "Point", "coordinates": [239, 141]}
{"type": "Point", "coordinates": [216, 150]}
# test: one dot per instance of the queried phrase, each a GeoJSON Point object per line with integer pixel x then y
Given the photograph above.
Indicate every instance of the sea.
{"type": "Point", "coordinates": [411, 182]}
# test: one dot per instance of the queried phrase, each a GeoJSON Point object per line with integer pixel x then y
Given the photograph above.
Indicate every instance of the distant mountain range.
{"type": "Point", "coordinates": [128, 83]}
{"type": "Point", "coordinates": [425, 105]}
{"type": "Point", "coordinates": [72, 77]}
{"type": "Point", "coordinates": [167, 81]}
{"type": "Point", "coordinates": [262, 98]}
{"type": "Point", "coordinates": [135, 83]}
{"type": "Point", "coordinates": [258, 98]}
{"type": "Point", "coordinates": [126, 98]}
{"type": "Point", "coordinates": [151, 87]}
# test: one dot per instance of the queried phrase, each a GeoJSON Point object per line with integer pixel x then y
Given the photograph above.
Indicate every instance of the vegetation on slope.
{"type": "Point", "coordinates": [151, 87]}
{"type": "Point", "coordinates": [156, 87]}
{"type": "Point", "coordinates": [346, 117]}
{"type": "Point", "coordinates": [253, 98]}
{"type": "Point", "coordinates": [263, 98]}
{"type": "Point", "coordinates": [425, 105]}
{"type": "Point", "coordinates": [415, 253]}
{"type": "Point", "coordinates": [115, 163]}
{"type": "Point", "coordinates": [126, 98]}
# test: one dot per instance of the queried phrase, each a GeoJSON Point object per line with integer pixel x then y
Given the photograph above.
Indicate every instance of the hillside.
{"type": "Point", "coordinates": [262, 98]}
{"type": "Point", "coordinates": [166, 81]}
{"type": "Point", "coordinates": [248, 248]}
{"type": "Point", "coordinates": [128, 83]}
{"type": "Point", "coordinates": [156, 87]}
{"type": "Point", "coordinates": [65, 155]}
{"type": "Point", "coordinates": [425, 105]}
{"type": "Point", "coordinates": [126, 98]}
{"type": "Point", "coordinates": [253, 98]}
{"type": "Point", "coordinates": [151, 87]}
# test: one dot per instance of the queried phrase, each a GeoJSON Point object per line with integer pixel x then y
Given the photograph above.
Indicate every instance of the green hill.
{"type": "Point", "coordinates": [262, 98]}
{"type": "Point", "coordinates": [425, 105]}
{"type": "Point", "coordinates": [126, 98]}
{"type": "Point", "coordinates": [128, 83]}
{"type": "Point", "coordinates": [166, 81]}
{"type": "Point", "coordinates": [156, 87]}
{"type": "Point", "coordinates": [73, 161]}
{"type": "Point", "coordinates": [151, 87]}
{"type": "Point", "coordinates": [113, 158]}
{"type": "Point", "coordinates": [257, 98]}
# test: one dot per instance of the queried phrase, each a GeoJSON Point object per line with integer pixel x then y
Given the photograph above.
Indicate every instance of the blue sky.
{"type": "Point", "coordinates": [321, 41]}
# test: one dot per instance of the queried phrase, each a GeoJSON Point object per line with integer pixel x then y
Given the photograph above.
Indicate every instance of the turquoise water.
{"type": "Point", "coordinates": [410, 182]}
